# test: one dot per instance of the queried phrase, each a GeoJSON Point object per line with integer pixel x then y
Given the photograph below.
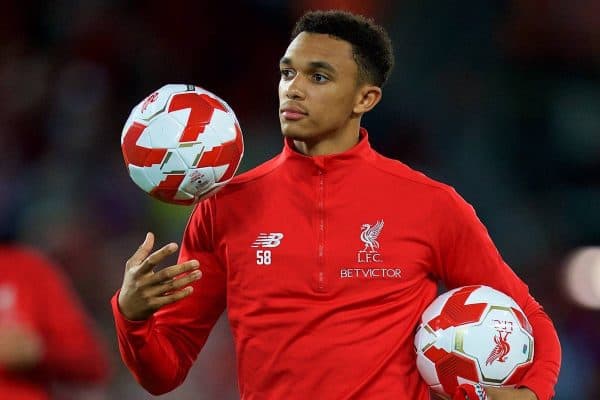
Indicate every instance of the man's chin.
{"type": "Point", "coordinates": [295, 134]}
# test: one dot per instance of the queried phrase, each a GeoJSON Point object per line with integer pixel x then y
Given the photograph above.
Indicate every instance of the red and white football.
{"type": "Point", "coordinates": [181, 144]}
{"type": "Point", "coordinates": [473, 334]}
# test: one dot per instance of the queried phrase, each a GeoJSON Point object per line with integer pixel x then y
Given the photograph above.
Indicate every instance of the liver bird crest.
{"type": "Point", "coordinates": [501, 349]}
{"type": "Point", "coordinates": [369, 236]}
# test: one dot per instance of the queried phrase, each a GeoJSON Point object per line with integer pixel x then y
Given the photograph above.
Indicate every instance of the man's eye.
{"type": "Point", "coordinates": [320, 78]}
{"type": "Point", "coordinates": [286, 73]}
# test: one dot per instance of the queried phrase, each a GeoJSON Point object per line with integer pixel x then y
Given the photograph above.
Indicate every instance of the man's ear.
{"type": "Point", "coordinates": [367, 97]}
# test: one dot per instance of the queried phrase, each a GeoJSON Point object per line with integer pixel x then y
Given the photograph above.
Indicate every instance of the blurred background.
{"type": "Point", "coordinates": [500, 99]}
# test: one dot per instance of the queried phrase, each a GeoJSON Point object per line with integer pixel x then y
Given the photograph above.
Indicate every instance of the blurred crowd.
{"type": "Point", "coordinates": [499, 99]}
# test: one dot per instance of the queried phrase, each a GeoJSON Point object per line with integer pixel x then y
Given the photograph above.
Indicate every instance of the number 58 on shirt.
{"type": "Point", "coordinates": [263, 257]}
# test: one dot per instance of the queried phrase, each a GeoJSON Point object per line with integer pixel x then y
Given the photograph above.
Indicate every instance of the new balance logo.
{"type": "Point", "coordinates": [268, 240]}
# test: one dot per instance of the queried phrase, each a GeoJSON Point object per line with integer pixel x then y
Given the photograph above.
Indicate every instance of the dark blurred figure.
{"type": "Point", "coordinates": [45, 336]}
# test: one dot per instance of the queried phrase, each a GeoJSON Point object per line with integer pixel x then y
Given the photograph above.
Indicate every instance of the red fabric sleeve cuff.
{"type": "Point", "coordinates": [135, 331]}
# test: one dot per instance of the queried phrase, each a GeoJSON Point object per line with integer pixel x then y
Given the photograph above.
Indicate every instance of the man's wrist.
{"type": "Point", "coordinates": [510, 394]}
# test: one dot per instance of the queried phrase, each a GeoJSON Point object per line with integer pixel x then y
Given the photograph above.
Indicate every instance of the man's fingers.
{"type": "Point", "coordinates": [171, 272]}
{"type": "Point", "coordinates": [170, 286]}
{"type": "Point", "coordinates": [142, 252]}
{"type": "Point", "coordinates": [155, 258]}
{"type": "Point", "coordinates": [173, 297]}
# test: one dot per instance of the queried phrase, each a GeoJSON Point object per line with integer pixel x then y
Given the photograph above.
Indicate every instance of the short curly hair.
{"type": "Point", "coordinates": [371, 45]}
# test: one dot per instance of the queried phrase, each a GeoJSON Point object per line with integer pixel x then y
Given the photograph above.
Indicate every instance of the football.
{"type": "Point", "coordinates": [473, 334]}
{"type": "Point", "coordinates": [182, 144]}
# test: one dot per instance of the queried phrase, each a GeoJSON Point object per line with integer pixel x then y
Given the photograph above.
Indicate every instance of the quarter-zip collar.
{"type": "Point", "coordinates": [359, 152]}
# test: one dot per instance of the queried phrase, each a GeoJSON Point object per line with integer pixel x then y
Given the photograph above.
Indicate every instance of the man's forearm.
{"type": "Point", "coordinates": [510, 394]}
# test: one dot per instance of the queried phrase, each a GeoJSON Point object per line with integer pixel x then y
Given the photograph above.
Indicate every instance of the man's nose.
{"type": "Point", "coordinates": [294, 90]}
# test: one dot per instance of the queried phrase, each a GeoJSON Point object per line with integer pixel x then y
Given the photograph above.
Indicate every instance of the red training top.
{"type": "Point", "coordinates": [33, 294]}
{"type": "Point", "coordinates": [325, 265]}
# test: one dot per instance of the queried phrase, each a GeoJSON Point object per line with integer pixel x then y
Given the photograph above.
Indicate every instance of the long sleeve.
{"type": "Point", "coordinates": [160, 350]}
{"type": "Point", "coordinates": [468, 256]}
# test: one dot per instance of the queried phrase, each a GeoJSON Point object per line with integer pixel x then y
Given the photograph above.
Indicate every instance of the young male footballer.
{"type": "Point", "coordinates": [325, 256]}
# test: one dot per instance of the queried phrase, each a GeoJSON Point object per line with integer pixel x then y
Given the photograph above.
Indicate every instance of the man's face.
{"type": "Point", "coordinates": [318, 87]}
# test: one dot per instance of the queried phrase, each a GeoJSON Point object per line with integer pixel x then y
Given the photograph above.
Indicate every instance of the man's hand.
{"type": "Point", "coordinates": [20, 348]}
{"type": "Point", "coordinates": [145, 291]}
{"type": "Point", "coordinates": [477, 392]}
{"type": "Point", "coordinates": [510, 394]}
